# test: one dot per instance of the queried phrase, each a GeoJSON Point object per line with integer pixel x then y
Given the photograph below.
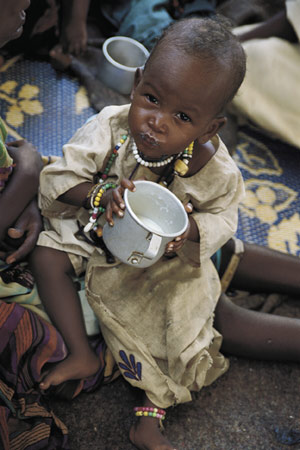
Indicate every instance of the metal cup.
{"type": "Point", "coordinates": [153, 217]}
{"type": "Point", "coordinates": [121, 56]}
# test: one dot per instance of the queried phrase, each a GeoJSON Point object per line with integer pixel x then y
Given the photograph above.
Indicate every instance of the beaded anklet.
{"type": "Point", "coordinates": [148, 411]}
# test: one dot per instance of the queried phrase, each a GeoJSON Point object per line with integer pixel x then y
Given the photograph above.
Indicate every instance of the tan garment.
{"type": "Point", "coordinates": [163, 315]}
{"type": "Point", "coordinates": [270, 94]}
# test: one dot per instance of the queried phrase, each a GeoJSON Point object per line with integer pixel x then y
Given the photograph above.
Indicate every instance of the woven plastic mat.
{"type": "Point", "coordinates": [46, 108]}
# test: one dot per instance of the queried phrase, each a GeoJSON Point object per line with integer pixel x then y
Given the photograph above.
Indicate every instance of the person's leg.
{"type": "Point", "coordinates": [52, 271]}
{"type": "Point", "coordinates": [258, 335]}
{"type": "Point", "coordinates": [262, 269]}
{"type": "Point", "coordinates": [146, 433]}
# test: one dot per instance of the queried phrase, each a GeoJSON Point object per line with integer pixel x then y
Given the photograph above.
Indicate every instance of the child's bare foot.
{"type": "Point", "coordinates": [146, 435]}
{"type": "Point", "coordinates": [74, 367]}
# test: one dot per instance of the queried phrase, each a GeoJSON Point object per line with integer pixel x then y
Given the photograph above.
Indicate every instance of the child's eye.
{"type": "Point", "coordinates": [182, 116]}
{"type": "Point", "coordinates": [152, 99]}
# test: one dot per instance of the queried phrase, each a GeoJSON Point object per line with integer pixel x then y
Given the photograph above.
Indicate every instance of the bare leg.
{"type": "Point", "coordinates": [264, 270]}
{"type": "Point", "coordinates": [146, 435]}
{"type": "Point", "coordinates": [258, 335]}
{"type": "Point", "coordinates": [52, 270]}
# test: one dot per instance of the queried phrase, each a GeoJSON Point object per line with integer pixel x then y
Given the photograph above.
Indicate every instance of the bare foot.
{"type": "Point", "coordinates": [60, 60]}
{"type": "Point", "coordinates": [74, 367]}
{"type": "Point", "coordinates": [146, 435]}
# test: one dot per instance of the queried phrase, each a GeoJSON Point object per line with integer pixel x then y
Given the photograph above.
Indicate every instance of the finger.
{"type": "Point", "coordinates": [128, 184]}
{"type": "Point", "coordinates": [108, 214]}
{"type": "Point", "coordinates": [116, 210]}
{"type": "Point", "coordinates": [27, 246]}
{"type": "Point", "coordinates": [118, 198]}
{"type": "Point", "coordinates": [170, 247]}
{"type": "Point", "coordinates": [29, 243]}
{"type": "Point", "coordinates": [16, 144]}
{"type": "Point", "coordinates": [179, 245]}
{"type": "Point", "coordinates": [15, 233]}
{"type": "Point", "coordinates": [188, 208]}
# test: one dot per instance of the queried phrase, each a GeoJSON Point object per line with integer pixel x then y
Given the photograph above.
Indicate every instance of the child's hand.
{"type": "Point", "coordinates": [179, 241]}
{"type": "Point", "coordinates": [113, 201]}
{"type": "Point", "coordinates": [74, 37]}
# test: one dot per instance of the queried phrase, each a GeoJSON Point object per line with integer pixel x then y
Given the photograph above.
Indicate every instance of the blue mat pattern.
{"type": "Point", "coordinates": [47, 108]}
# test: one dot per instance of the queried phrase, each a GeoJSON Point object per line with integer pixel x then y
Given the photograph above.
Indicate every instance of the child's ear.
{"type": "Point", "coordinates": [137, 78]}
{"type": "Point", "coordinates": [212, 129]}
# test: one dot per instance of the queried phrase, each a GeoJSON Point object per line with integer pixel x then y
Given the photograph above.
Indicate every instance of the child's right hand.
{"type": "Point", "coordinates": [113, 201]}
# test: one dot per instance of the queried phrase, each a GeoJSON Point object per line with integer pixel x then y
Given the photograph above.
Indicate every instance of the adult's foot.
{"type": "Point", "coordinates": [146, 435]}
{"type": "Point", "coordinates": [74, 367]}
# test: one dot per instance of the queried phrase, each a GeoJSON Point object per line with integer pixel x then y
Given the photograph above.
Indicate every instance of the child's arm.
{"type": "Point", "coordinates": [74, 30]}
{"type": "Point", "coordinates": [22, 185]}
{"type": "Point", "coordinates": [77, 195]}
{"type": "Point", "coordinates": [277, 25]}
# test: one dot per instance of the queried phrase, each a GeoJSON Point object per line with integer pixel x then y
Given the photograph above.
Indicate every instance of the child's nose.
{"type": "Point", "coordinates": [158, 123]}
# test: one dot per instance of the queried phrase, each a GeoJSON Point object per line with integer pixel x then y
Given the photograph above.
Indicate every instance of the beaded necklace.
{"type": "Point", "coordinates": [180, 168]}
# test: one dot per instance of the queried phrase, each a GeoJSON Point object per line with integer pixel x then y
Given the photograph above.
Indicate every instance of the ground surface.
{"type": "Point", "coordinates": [240, 411]}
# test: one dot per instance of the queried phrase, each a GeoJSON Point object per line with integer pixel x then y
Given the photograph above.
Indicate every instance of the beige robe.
{"type": "Point", "coordinates": [269, 95]}
{"type": "Point", "coordinates": [158, 321]}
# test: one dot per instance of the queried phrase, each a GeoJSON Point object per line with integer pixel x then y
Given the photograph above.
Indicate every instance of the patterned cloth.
{"type": "Point", "coordinates": [28, 345]}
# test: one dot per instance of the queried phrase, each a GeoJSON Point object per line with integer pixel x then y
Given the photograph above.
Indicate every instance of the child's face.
{"type": "Point", "coordinates": [13, 18]}
{"type": "Point", "coordinates": [174, 102]}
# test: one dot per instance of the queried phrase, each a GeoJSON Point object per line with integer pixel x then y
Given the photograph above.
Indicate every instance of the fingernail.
{"type": "Point", "coordinates": [111, 224]}
{"type": "Point", "coordinates": [178, 239]}
{"type": "Point", "coordinates": [122, 205]}
{"type": "Point", "coordinates": [121, 214]}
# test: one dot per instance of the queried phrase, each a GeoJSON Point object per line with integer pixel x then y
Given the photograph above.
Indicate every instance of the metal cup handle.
{"type": "Point", "coordinates": [154, 246]}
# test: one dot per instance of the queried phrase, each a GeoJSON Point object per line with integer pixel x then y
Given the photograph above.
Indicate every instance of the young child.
{"type": "Point", "coordinates": [158, 322]}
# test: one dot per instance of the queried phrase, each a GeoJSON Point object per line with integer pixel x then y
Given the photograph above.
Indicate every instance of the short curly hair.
{"type": "Point", "coordinates": [209, 39]}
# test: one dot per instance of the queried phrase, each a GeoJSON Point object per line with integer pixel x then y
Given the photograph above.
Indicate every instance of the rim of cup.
{"type": "Point", "coordinates": [126, 39]}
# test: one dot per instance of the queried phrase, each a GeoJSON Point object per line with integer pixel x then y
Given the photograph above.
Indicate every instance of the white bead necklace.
{"type": "Point", "coordinates": [141, 161]}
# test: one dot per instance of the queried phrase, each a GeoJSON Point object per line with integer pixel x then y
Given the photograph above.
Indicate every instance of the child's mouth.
{"type": "Point", "coordinates": [149, 140]}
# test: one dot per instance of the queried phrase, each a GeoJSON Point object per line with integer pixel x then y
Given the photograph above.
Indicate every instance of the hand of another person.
{"type": "Point", "coordinates": [26, 157]}
{"type": "Point", "coordinates": [22, 185]}
{"type": "Point", "coordinates": [22, 237]}
{"type": "Point", "coordinates": [113, 201]}
{"type": "Point", "coordinates": [74, 37]}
